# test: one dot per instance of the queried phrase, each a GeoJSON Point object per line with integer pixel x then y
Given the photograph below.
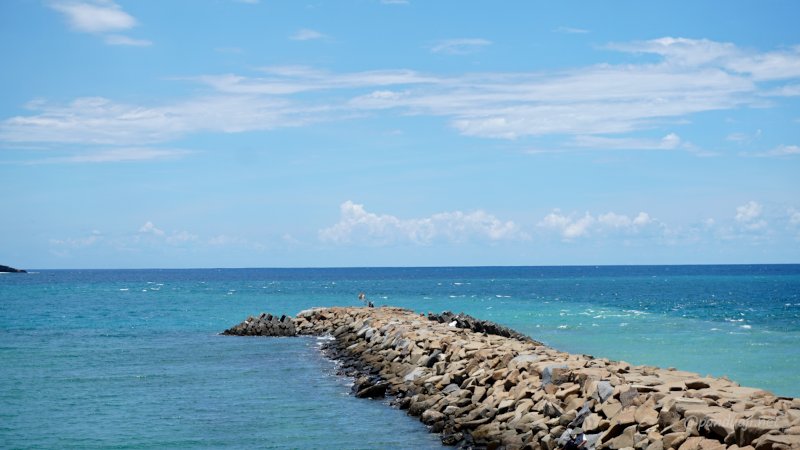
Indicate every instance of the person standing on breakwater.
{"type": "Point", "coordinates": [363, 297]}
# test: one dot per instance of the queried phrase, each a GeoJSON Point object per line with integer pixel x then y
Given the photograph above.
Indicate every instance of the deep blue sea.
{"type": "Point", "coordinates": [133, 359]}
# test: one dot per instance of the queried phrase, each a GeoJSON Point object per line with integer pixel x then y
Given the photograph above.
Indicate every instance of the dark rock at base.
{"type": "Point", "coordinates": [462, 320]}
{"type": "Point", "coordinates": [377, 390]}
{"type": "Point", "coordinates": [264, 325]}
{"type": "Point", "coordinates": [8, 269]}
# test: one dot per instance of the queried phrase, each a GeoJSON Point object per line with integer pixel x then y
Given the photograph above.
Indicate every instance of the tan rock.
{"type": "Point", "coordinates": [674, 440]}
{"type": "Point", "coordinates": [747, 431]}
{"type": "Point", "coordinates": [611, 409]}
{"type": "Point", "coordinates": [619, 422]}
{"type": "Point", "coordinates": [567, 389]}
{"type": "Point", "coordinates": [646, 416]}
{"type": "Point", "coordinates": [592, 423]}
{"type": "Point", "coordinates": [624, 440]}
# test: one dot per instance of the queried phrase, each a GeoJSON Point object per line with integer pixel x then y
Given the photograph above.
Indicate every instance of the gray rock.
{"type": "Point", "coordinates": [604, 391]}
{"type": "Point", "coordinates": [547, 373]}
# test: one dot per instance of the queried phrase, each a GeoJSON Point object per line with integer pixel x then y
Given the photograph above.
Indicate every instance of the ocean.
{"type": "Point", "coordinates": [132, 359]}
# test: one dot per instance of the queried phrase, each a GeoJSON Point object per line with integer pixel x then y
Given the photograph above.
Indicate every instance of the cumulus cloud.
{"type": "Point", "coordinates": [149, 228]}
{"type": "Point", "coordinates": [359, 226]}
{"type": "Point", "coordinates": [460, 46]}
{"type": "Point", "coordinates": [749, 216]}
{"type": "Point", "coordinates": [150, 231]}
{"type": "Point", "coordinates": [572, 226]}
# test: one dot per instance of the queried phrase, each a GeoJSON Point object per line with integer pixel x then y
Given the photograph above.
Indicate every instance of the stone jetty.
{"type": "Point", "coordinates": [480, 387]}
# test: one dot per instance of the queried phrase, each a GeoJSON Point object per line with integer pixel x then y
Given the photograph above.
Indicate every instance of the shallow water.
{"type": "Point", "coordinates": [132, 359]}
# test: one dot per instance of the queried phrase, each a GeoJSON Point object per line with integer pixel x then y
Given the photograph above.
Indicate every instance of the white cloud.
{"type": "Point", "coordinates": [358, 226]}
{"type": "Point", "coordinates": [570, 30]}
{"type": "Point", "coordinates": [149, 228]}
{"type": "Point", "coordinates": [779, 151]}
{"type": "Point", "coordinates": [100, 121]}
{"type": "Point", "coordinates": [99, 17]}
{"type": "Point", "coordinates": [794, 217]}
{"type": "Point", "coordinates": [749, 216]}
{"type": "Point", "coordinates": [790, 90]}
{"type": "Point", "coordinates": [75, 243]}
{"type": "Point", "coordinates": [305, 34]}
{"type": "Point", "coordinates": [160, 236]}
{"type": "Point", "coordinates": [775, 65]}
{"type": "Point", "coordinates": [574, 226]}
{"type": "Point", "coordinates": [94, 17]}
{"type": "Point", "coordinates": [460, 46]}
{"type": "Point", "coordinates": [599, 104]}
{"type": "Point", "coordinates": [116, 39]}
{"type": "Point", "coordinates": [744, 138]}
{"type": "Point", "coordinates": [569, 226]}
{"type": "Point", "coordinates": [114, 156]}
{"type": "Point", "coordinates": [669, 142]}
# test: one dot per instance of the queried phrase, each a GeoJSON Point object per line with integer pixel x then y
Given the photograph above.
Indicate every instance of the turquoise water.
{"type": "Point", "coordinates": [132, 359]}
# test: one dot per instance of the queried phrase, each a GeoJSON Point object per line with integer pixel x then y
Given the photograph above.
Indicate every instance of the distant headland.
{"type": "Point", "coordinates": [8, 269]}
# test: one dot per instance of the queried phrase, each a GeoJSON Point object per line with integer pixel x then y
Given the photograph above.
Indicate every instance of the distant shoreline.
{"type": "Point", "coordinates": [551, 266]}
{"type": "Point", "coordinates": [7, 269]}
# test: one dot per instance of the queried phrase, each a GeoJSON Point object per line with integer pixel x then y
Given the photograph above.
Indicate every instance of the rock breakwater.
{"type": "Point", "coordinates": [485, 390]}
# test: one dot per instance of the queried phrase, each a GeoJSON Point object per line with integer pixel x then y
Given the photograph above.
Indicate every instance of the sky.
{"type": "Point", "coordinates": [266, 133]}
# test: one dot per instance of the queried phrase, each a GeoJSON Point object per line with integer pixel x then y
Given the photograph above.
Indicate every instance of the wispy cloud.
{"type": "Point", "coordinates": [99, 17]}
{"type": "Point", "coordinates": [774, 65]}
{"type": "Point", "coordinates": [600, 106]}
{"type": "Point", "coordinates": [359, 226]}
{"type": "Point", "coordinates": [116, 39]}
{"type": "Point", "coordinates": [460, 46]}
{"type": "Point", "coordinates": [115, 155]}
{"type": "Point", "coordinates": [777, 152]}
{"type": "Point", "coordinates": [100, 121]}
{"type": "Point", "coordinates": [570, 30]}
{"type": "Point", "coordinates": [669, 142]}
{"type": "Point", "coordinates": [305, 34]}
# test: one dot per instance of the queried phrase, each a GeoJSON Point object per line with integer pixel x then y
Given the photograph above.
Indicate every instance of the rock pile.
{"type": "Point", "coordinates": [264, 325]}
{"type": "Point", "coordinates": [486, 390]}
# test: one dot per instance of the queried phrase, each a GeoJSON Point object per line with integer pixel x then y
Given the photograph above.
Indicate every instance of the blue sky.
{"type": "Point", "coordinates": [223, 133]}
